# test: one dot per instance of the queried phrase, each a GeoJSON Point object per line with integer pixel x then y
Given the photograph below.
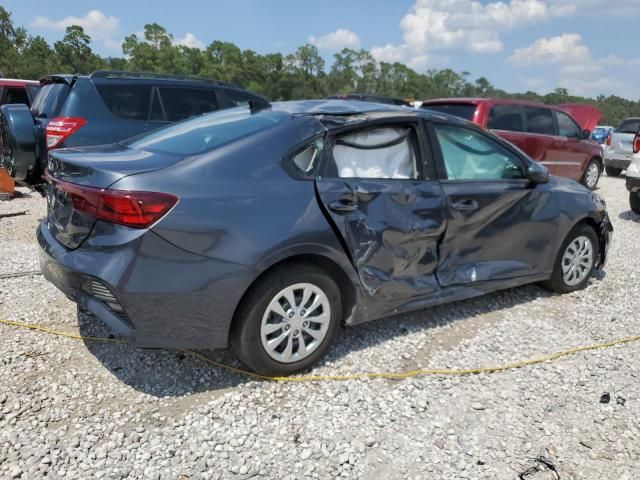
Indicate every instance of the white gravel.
{"type": "Point", "coordinates": [75, 410]}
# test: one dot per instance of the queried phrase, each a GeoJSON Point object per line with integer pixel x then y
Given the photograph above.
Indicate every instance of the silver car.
{"type": "Point", "coordinates": [618, 147]}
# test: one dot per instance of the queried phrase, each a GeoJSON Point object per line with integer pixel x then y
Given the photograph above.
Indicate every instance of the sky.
{"type": "Point", "coordinates": [587, 46]}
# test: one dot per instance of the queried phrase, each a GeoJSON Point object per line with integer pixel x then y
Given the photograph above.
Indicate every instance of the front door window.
{"type": "Point", "coordinates": [470, 155]}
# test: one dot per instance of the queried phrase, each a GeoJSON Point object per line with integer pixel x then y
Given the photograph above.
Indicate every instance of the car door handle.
{"type": "Point", "coordinates": [465, 205]}
{"type": "Point", "coordinates": [343, 205]}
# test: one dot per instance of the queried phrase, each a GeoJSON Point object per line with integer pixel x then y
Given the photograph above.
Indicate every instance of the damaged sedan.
{"type": "Point", "coordinates": [265, 229]}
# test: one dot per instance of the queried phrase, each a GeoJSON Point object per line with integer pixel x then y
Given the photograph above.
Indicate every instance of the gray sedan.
{"type": "Point", "coordinates": [265, 229]}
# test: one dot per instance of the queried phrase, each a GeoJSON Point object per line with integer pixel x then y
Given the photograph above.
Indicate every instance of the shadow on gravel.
{"type": "Point", "coordinates": [629, 216]}
{"type": "Point", "coordinates": [163, 373]}
{"type": "Point", "coordinates": [160, 373]}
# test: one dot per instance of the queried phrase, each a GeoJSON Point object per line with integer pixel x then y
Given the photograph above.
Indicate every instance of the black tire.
{"type": "Point", "coordinates": [557, 283]}
{"type": "Point", "coordinates": [634, 201]}
{"type": "Point", "coordinates": [612, 171]}
{"type": "Point", "coordinates": [245, 336]}
{"type": "Point", "coordinates": [585, 181]}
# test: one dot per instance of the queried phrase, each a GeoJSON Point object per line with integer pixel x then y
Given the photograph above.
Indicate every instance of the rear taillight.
{"type": "Point", "coordinates": [130, 208]}
{"type": "Point", "coordinates": [607, 142]}
{"type": "Point", "coordinates": [61, 128]}
{"type": "Point", "coordinates": [636, 143]}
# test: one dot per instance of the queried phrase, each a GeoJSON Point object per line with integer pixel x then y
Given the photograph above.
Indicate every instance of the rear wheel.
{"type": "Point", "coordinates": [288, 320]}
{"type": "Point", "coordinates": [575, 261]}
{"type": "Point", "coordinates": [591, 174]}
{"type": "Point", "coordinates": [634, 201]}
{"type": "Point", "coordinates": [613, 171]}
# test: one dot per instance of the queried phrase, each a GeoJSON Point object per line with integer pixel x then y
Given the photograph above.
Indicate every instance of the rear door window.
{"type": "Point", "coordinates": [49, 100]}
{"type": "Point", "coordinates": [462, 110]}
{"type": "Point", "coordinates": [566, 126]}
{"type": "Point", "coordinates": [126, 101]}
{"type": "Point", "coordinates": [181, 103]}
{"type": "Point", "coordinates": [388, 152]}
{"type": "Point", "coordinates": [539, 120]}
{"type": "Point", "coordinates": [506, 117]}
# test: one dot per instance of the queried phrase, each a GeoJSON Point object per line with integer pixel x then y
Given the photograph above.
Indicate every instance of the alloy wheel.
{"type": "Point", "coordinates": [295, 322]}
{"type": "Point", "coordinates": [593, 172]}
{"type": "Point", "coordinates": [577, 260]}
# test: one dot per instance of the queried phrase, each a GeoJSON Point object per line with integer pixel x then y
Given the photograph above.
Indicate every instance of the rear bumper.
{"type": "Point", "coordinates": [171, 298]}
{"type": "Point", "coordinates": [622, 163]}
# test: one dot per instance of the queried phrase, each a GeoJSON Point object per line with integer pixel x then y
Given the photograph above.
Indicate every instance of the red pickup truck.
{"type": "Point", "coordinates": [556, 136]}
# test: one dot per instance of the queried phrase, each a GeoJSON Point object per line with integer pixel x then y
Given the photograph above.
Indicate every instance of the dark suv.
{"type": "Point", "coordinates": [104, 107]}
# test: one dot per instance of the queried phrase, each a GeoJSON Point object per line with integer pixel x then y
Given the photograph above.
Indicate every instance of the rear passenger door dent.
{"type": "Point", "coordinates": [390, 227]}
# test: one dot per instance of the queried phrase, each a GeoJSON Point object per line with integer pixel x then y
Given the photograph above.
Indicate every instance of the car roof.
{"type": "Point", "coordinates": [478, 100]}
{"type": "Point", "coordinates": [355, 111]}
{"type": "Point", "coordinates": [16, 82]}
{"type": "Point", "coordinates": [122, 77]}
{"type": "Point", "coordinates": [370, 98]}
{"type": "Point", "coordinates": [107, 75]}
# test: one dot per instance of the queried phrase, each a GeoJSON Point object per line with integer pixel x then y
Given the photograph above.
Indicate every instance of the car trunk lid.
{"type": "Point", "coordinates": [587, 116]}
{"type": "Point", "coordinates": [74, 173]}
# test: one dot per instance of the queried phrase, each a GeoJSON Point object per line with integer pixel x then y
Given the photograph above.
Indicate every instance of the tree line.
{"type": "Point", "coordinates": [301, 74]}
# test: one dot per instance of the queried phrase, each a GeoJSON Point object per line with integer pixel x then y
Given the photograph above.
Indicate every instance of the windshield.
{"type": "Point", "coordinates": [629, 126]}
{"type": "Point", "coordinates": [206, 132]}
{"type": "Point", "coordinates": [462, 110]}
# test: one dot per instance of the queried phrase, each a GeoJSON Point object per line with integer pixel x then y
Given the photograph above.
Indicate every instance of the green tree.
{"type": "Point", "coordinates": [37, 58]}
{"type": "Point", "coordinates": [8, 50]}
{"type": "Point", "coordinates": [279, 76]}
{"type": "Point", "coordinates": [74, 52]}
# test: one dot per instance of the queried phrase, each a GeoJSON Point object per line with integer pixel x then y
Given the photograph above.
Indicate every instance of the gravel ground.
{"type": "Point", "coordinates": [75, 410]}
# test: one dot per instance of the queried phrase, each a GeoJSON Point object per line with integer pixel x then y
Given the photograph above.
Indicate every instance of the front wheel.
{"type": "Point", "coordinates": [613, 171]}
{"type": "Point", "coordinates": [576, 261]}
{"type": "Point", "coordinates": [288, 320]}
{"type": "Point", "coordinates": [591, 175]}
{"type": "Point", "coordinates": [634, 201]}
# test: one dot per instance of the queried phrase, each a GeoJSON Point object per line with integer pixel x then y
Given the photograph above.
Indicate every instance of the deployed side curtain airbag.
{"type": "Point", "coordinates": [378, 153]}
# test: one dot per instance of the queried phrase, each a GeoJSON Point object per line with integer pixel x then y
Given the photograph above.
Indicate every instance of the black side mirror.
{"type": "Point", "coordinates": [586, 134]}
{"type": "Point", "coordinates": [537, 174]}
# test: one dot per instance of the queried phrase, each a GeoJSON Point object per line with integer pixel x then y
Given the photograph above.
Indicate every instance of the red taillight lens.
{"type": "Point", "coordinates": [60, 128]}
{"type": "Point", "coordinates": [607, 142]}
{"type": "Point", "coordinates": [133, 209]}
{"type": "Point", "coordinates": [636, 143]}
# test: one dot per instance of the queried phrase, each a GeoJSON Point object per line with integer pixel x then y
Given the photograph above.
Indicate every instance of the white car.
{"type": "Point", "coordinates": [617, 148]}
{"type": "Point", "coordinates": [633, 176]}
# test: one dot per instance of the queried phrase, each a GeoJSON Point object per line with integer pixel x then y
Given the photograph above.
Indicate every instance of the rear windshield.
{"type": "Point", "coordinates": [462, 110]}
{"type": "Point", "coordinates": [49, 100]}
{"type": "Point", "coordinates": [629, 126]}
{"type": "Point", "coordinates": [204, 133]}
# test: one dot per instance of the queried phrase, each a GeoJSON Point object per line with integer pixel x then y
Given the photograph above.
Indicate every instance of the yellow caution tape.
{"type": "Point", "coordinates": [355, 376]}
